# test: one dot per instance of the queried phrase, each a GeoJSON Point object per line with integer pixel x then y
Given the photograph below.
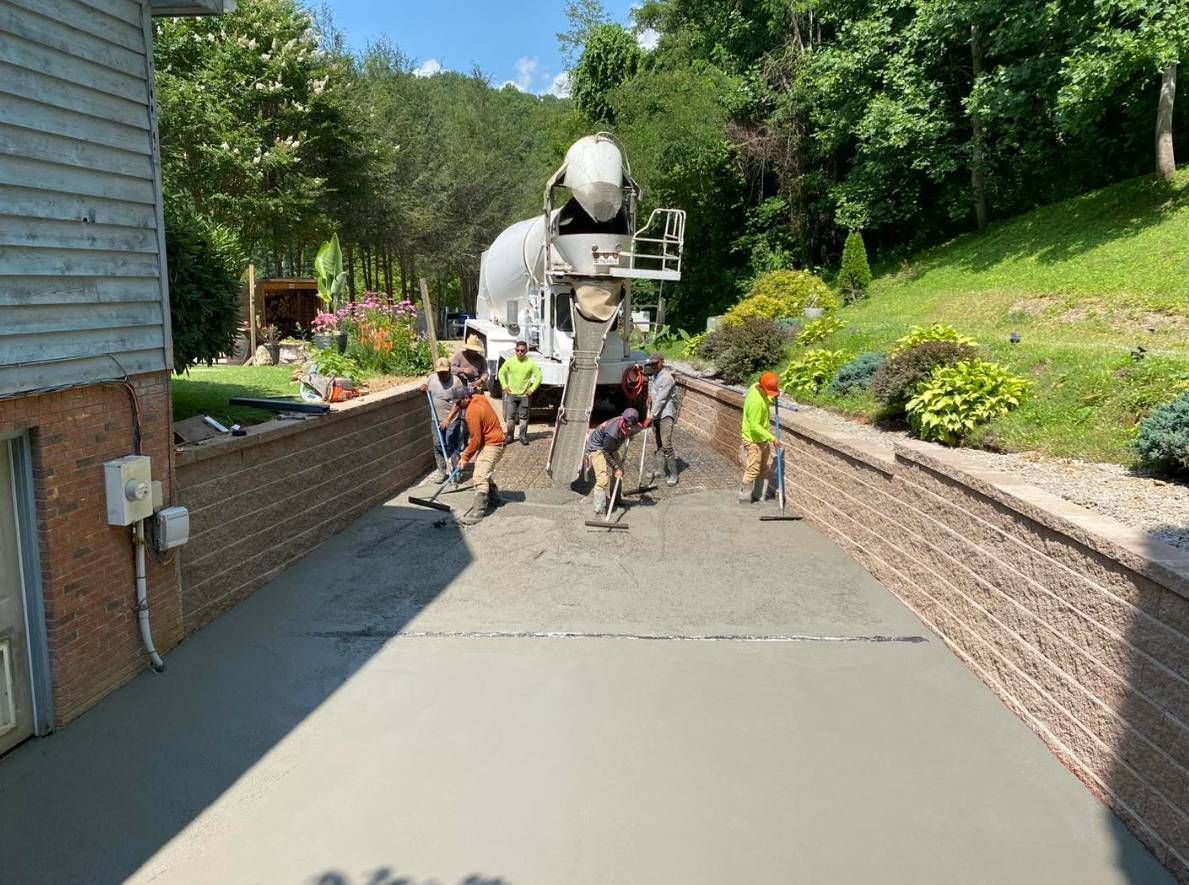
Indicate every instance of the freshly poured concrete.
{"type": "Point", "coordinates": [708, 699]}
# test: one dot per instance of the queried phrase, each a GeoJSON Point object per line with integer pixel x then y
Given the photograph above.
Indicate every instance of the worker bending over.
{"type": "Point", "coordinates": [485, 448]}
{"type": "Point", "coordinates": [519, 377]}
{"type": "Point", "coordinates": [662, 415]}
{"type": "Point", "coordinates": [758, 439]}
{"type": "Point", "coordinates": [606, 449]}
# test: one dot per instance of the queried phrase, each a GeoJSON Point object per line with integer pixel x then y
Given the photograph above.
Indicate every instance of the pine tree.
{"type": "Point", "coordinates": [855, 276]}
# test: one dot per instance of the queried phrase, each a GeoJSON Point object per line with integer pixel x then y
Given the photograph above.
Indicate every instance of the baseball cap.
{"type": "Point", "coordinates": [631, 416]}
{"type": "Point", "coordinates": [769, 384]}
{"type": "Point", "coordinates": [655, 358]}
{"type": "Point", "coordinates": [441, 364]}
{"type": "Point", "coordinates": [462, 393]}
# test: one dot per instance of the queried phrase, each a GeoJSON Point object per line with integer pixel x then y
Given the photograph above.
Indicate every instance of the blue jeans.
{"type": "Point", "coordinates": [455, 436]}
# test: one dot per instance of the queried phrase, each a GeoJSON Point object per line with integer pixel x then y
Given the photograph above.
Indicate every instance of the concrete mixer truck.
{"type": "Point", "coordinates": [562, 282]}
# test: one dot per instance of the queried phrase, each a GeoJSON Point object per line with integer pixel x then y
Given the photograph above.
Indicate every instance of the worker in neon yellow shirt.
{"type": "Point", "coordinates": [758, 439]}
{"type": "Point", "coordinates": [519, 377]}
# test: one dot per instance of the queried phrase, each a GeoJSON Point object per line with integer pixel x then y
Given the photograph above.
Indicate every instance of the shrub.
{"type": "Point", "coordinates": [782, 293]}
{"type": "Point", "coordinates": [896, 381]}
{"type": "Point", "coordinates": [741, 350]}
{"type": "Point", "coordinates": [204, 265]}
{"type": "Point", "coordinates": [936, 332]}
{"type": "Point", "coordinates": [693, 346]}
{"type": "Point", "coordinates": [819, 330]}
{"type": "Point", "coordinates": [855, 275]}
{"type": "Point", "coordinates": [1163, 440]}
{"type": "Point", "coordinates": [331, 362]}
{"type": "Point", "coordinates": [857, 373]}
{"type": "Point", "coordinates": [815, 368]}
{"type": "Point", "coordinates": [956, 399]}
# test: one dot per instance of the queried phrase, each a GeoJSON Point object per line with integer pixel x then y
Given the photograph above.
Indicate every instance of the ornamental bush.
{"type": "Point", "coordinates": [897, 380]}
{"type": "Point", "coordinates": [782, 293]}
{"type": "Point", "coordinates": [812, 370]}
{"type": "Point", "coordinates": [1162, 443]}
{"type": "Point", "coordinates": [740, 351]}
{"type": "Point", "coordinates": [816, 331]}
{"type": "Point", "coordinates": [857, 374]}
{"type": "Point", "coordinates": [855, 275]}
{"type": "Point", "coordinates": [936, 332]}
{"type": "Point", "coordinates": [957, 399]}
{"type": "Point", "coordinates": [204, 262]}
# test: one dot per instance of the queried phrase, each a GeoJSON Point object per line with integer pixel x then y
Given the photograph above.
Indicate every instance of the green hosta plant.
{"type": "Point", "coordinates": [328, 268]}
{"type": "Point", "coordinates": [1162, 442]}
{"type": "Point", "coordinates": [957, 399]}
{"type": "Point", "coordinates": [936, 332]}
{"type": "Point", "coordinates": [819, 330]}
{"type": "Point", "coordinates": [812, 370]}
{"type": "Point", "coordinates": [692, 346]}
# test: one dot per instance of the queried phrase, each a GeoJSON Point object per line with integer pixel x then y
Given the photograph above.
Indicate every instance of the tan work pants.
{"type": "Point", "coordinates": [758, 457]}
{"type": "Point", "coordinates": [485, 463]}
{"type": "Point", "coordinates": [603, 468]}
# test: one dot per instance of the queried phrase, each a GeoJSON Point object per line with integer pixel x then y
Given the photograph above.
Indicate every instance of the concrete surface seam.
{"type": "Point", "coordinates": [647, 637]}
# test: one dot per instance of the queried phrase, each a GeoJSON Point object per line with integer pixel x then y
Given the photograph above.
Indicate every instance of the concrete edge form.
{"type": "Point", "coordinates": [1079, 624]}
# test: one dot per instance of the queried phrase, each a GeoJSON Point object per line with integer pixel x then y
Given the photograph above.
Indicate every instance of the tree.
{"type": "Point", "coordinates": [1121, 44]}
{"type": "Point", "coordinates": [584, 16]}
{"type": "Point", "coordinates": [610, 58]}
{"type": "Point", "coordinates": [855, 275]}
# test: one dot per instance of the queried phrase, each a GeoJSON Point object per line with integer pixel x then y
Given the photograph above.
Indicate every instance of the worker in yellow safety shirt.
{"type": "Point", "coordinates": [758, 439]}
{"type": "Point", "coordinates": [519, 378]}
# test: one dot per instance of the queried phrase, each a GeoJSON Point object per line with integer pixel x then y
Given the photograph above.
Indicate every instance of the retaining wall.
{"type": "Point", "coordinates": [260, 502]}
{"type": "Point", "coordinates": [1079, 624]}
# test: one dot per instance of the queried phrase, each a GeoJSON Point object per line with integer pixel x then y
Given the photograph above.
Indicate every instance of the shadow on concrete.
{"type": "Point", "coordinates": [96, 801]}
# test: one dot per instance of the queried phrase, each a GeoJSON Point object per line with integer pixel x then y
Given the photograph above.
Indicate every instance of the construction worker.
{"type": "Point", "coordinates": [519, 378]}
{"type": "Point", "coordinates": [662, 415]}
{"type": "Point", "coordinates": [485, 448]}
{"type": "Point", "coordinates": [470, 364]}
{"type": "Point", "coordinates": [442, 386]}
{"type": "Point", "coordinates": [606, 448]}
{"type": "Point", "coordinates": [758, 439]}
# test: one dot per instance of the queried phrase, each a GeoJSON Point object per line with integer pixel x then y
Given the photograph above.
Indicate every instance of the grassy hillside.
{"type": "Point", "coordinates": [1084, 283]}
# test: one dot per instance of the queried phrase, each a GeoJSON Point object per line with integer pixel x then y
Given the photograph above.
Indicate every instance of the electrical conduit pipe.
{"type": "Point", "coordinates": [142, 599]}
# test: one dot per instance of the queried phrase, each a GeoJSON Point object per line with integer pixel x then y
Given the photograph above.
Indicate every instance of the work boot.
{"type": "Point", "coordinates": [655, 466]}
{"type": "Point", "coordinates": [745, 490]}
{"type": "Point", "coordinates": [478, 510]}
{"type": "Point", "coordinates": [524, 433]}
{"type": "Point", "coordinates": [438, 476]}
{"type": "Point", "coordinates": [759, 490]}
{"type": "Point", "coordinates": [600, 502]}
{"type": "Point", "coordinates": [671, 471]}
{"type": "Point", "coordinates": [511, 433]}
{"type": "Point", "coordinates": [493, 494]}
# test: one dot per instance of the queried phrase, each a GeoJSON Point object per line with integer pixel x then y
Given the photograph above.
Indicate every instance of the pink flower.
{"type": "Point", "coordinates": [325, 322]}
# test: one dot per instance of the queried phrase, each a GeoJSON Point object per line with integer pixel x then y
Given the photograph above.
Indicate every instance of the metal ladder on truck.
{"type": "Point", "coordinates": [577, 400]}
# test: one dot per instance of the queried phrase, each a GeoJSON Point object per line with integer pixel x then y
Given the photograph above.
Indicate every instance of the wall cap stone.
{"type": "Point", "coordinates": [270, 431]}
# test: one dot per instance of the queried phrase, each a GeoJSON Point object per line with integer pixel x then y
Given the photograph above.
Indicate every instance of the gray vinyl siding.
{"type": "Point", "coordinates": [83, 295]}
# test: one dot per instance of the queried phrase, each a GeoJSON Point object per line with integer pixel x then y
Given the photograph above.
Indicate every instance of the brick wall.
{"type": "Point", "coordinates": [1080, 625]}
{"type": "Point", "coordinates": [260, 502]}
{"type": "Point", "coordinates": [87, 566]}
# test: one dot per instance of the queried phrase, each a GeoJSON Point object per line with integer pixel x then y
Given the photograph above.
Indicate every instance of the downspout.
{"type": "Point", "coordinates": [142, 599]}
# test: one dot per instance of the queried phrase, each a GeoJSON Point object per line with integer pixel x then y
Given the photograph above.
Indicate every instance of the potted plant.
{"type": "Point", "coordinates": [812, 310]}
{"type": "Point", "coordinates": [270, 336]}
{"type": "Point", "coordinates": [332, 282]}
{"type": "Point", "coordinates": [326, 333]}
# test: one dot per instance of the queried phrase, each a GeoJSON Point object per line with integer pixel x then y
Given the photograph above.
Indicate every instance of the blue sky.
{"type": "Point", "coordinates": [511, 40]}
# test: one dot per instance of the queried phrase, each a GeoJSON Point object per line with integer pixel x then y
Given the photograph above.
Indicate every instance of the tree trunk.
{"type": "Point", "coordinates": [978, 185]}
{"type": "Point", "coordinates": [1166, 161]}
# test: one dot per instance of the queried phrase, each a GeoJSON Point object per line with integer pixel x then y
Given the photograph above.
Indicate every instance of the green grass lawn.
{"type": "Point", "coordinates": [205, 391]}
{"type": "Point", "coordinates": [1084, 283]}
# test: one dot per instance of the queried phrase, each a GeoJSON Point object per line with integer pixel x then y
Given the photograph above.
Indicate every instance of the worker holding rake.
{"type": "Point", "coordinates": [485, 448]}
{"type": "Point", "coordinates": [758, 439]}
{"type": "Point", "coordinates": [606, 449]}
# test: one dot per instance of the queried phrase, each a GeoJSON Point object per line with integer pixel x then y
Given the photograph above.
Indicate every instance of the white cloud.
{"type": "Point", "coordinates": [526, 72]}
{"type": "Point", "coordinates": [560, 85]}
{"type": "Point", "coordinates": [648, 39]}
{"type": "Point", "coordinates": [428, 68]}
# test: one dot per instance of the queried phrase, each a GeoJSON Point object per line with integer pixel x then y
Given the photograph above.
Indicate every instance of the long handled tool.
{"type": "Point", "coordinates": [605, 522]}
{"type": "Point", "coordinates": [779, 477]}
{"type": "Point", "coordinates": [432, 500]}
{"type": "Point", "coordinates": [641, 488]}
{"type": "Point", "coordinates": [437, 428]}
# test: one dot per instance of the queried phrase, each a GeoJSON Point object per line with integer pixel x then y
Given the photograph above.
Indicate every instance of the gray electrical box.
{"type": "Point", "coordinates": [173, 528]}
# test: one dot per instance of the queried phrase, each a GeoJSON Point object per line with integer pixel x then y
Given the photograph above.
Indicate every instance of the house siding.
{"type": "Point", "coordinates": [83, 296]}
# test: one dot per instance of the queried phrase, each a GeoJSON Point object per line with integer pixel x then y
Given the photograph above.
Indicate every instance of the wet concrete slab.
{"type": "Point", "coordinates": [703, 699]}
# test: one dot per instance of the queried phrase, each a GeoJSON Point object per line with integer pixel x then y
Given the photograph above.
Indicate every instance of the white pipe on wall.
{"type": "Point", "coordinates": [142, 599]}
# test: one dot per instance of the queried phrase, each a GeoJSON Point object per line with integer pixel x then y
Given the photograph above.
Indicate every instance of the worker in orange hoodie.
{"type": "Point", "coordinates": [485, 448]}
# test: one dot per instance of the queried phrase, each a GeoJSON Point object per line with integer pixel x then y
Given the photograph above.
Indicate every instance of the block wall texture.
{"type": "Point", "coordinates": [259, 503]}
{"type": "Point", "coordinates": [88, 570]}
{"type": "Point", "coordinates": [1080, 625]}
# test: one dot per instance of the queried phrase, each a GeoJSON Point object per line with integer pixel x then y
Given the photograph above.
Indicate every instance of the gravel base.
{"type": "Point", "coordinates": [1159, 508]}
